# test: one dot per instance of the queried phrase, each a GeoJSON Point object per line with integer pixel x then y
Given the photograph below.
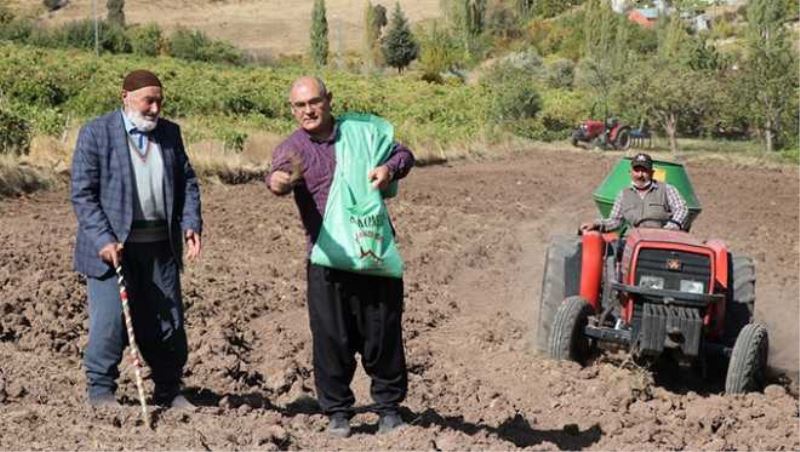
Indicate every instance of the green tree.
{"type": "Point", "coordinates": [6, 16]}
{"type": "Point", "coordinates": [438, 53]}
{"type": "Point", "coordinates": [374, 21]}
{"type": "Point", "coordinates": [673, 39]}
{"type": "Point", "coordinates": [467, 20]}
{"type": "Point", "coordinates": [116, 12]}
{"type": "Point", "coordinates": [475, 13]}
{"type": "Point", "coordinates": [552, 8]}
{"type": "Point", "coordinates": [319, 34]}
{"type": "Point", "coordinates": [598, 29]}
{"type": "Point", "coordinates": [771, 68]}
{"type": "Point", "coordinates": [399, 48]}
{"type": "Point", "coordinates": [668, 94]}
{"type": "Point", "coordinates": [381, 20]}
{"type": "Point", "coordinates": [606, 63]}
{"type": "Point", "coordinates": [524, 9]}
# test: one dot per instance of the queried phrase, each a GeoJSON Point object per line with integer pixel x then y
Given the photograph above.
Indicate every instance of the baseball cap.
{"type": "Point", "coordinates": [642, 160]}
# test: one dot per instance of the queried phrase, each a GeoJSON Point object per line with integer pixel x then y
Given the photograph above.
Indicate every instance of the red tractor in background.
{"type": "Point", "coordinates": [609, 134]}
{"type": "Point", "coordinates": [656, 293]}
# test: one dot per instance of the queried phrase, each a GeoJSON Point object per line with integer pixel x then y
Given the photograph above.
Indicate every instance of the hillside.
{"type": "Point", "coordinates": [260, 27]}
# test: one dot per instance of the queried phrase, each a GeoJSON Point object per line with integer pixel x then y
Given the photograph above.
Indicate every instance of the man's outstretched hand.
{"type": "Point", "coordinates": [380, 177]}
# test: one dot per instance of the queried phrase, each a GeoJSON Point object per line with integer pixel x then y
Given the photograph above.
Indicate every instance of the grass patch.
{"type": "Point", "coordinates": [214, 162]}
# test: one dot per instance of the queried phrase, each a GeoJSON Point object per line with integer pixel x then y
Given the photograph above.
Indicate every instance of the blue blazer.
{"type": "Point", "coordinates": [102, 189]}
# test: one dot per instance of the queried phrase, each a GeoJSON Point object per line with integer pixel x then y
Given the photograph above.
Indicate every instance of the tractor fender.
{"type": "Point", "coordinates": [722, 265]}
{"type": "Point", "coordinates": [720, 262]}
{"type": "Point", "coordinates": [592, 245]}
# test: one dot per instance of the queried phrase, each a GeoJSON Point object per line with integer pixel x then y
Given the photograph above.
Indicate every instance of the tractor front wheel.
{"type": "Point", "coordinates": [561, 279]}
{"type": "Point", "coordinates": [748, 365]}
{"type": "Point", "coordinates": [741, 304]}
{"type": "Point", "coordinates": [567, 340]}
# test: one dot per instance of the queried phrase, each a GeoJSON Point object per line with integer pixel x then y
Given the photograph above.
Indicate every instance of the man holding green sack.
{"type": "Point", "coordinates": [341, 170]}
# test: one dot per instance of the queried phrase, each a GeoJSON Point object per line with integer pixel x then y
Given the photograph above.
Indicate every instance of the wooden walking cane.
{"type": "Point", "coordinates": [135, 355]}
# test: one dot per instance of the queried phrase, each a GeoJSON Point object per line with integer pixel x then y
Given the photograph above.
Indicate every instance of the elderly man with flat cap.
{"type": "Point", "coordinates": [137, 202]}
{"type": "Point", "coordinates": [647, 203]}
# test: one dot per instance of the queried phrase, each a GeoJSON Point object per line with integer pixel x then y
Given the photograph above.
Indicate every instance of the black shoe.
{"type": "Point", "coordinates": [339, 425]}
{"type": "Point", "coordinates": [164, 395]}
{"type": "Point", "coordinates": [104, 400]}
{"type": "Point", "coordinates": [390, 422]}
{"type": "Point", "coordinates": [182, 403]}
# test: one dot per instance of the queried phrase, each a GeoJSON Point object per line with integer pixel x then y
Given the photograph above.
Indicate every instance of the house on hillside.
{"type": "Point", "coordinates": [646, 17]}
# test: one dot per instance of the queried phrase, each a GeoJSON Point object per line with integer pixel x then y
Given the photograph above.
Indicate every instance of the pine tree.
{"type": "Point", "coordinates": [400, 48]}
{"type": "Point", "coordinates": [116, 12]}
{"type": "Point", "coordinates": [319, 34]}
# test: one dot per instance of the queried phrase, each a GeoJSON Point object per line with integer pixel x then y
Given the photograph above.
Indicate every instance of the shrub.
{"type": "Point", "coordinates": [146, 40]}
{"type": "Point", "coordinates": [15, 134]}
{"type": "Point", "coordinates": [6, 16]}
{"type": "Point", "coordinates": [80, 34]}
{"type": "Point", "coordinates": [53, 5]}
{"type": "Point", "coordinates": [513, 95]}
{"type": "Point", "coordinates": [562, 109]}
{"type": "Point", "coordinates": [195, 45]}
{"type": "Point", "coordinates": [232, 139]}
{"type": "Point", "coordinates": [17, 30]}
{"type": "Point", "coordinates": [561, 74]}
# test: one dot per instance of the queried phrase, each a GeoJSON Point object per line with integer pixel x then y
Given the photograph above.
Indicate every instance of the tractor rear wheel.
{"type": "Point", "coordinates": [561, 279]}
{"type": "Point", "coordinates": [567, 340]}
{"type": "Point", "coordinates": [748, 366]}
{"type": "Point", "coordinates": [741, 304]}
{"type": "Point", "coordinates": [623, 140]}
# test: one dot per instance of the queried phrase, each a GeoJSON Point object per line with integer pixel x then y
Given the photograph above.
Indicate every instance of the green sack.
{"type": "Point", "coordinates": [356, 233]}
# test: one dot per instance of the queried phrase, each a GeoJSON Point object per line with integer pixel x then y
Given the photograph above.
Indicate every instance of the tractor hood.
{"type": "Point", "coordinates": [669, 172]}
{"type": "Point", "coordinates": [663, 236]}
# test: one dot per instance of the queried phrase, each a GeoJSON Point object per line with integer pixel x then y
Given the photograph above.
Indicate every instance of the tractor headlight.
{"type": "Point", "coordinates": [690, 286]}
{"type": "Point", "coordinates": [651, 282]}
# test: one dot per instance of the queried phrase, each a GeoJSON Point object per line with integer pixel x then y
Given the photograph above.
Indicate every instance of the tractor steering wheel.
{"type": "Point", "coordinates": [660, 221]}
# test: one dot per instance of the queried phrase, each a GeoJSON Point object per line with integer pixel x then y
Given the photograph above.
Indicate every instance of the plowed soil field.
{"type": "Point", "coordinates": [474, 235]}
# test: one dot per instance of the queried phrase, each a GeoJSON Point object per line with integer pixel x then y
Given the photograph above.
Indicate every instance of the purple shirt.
{"type": "Point", "coordinates": [318, 159]}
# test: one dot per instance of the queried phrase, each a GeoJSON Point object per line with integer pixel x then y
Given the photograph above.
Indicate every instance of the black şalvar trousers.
{"type": "Point", "coordinates": [353, 313]}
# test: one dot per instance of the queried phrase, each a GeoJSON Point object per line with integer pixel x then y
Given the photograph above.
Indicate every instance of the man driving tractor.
{"type": "Point", "coordinates": [647, 203]}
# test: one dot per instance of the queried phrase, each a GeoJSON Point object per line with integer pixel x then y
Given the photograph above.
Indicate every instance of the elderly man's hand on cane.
{"type": "Point", "coordinates": [112, 254]}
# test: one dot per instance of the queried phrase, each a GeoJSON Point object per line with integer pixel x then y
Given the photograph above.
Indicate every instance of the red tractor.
{"type": "Point", "coordinates": [609, 134]}
{"type": "Point", "coordinates": [656, 292]}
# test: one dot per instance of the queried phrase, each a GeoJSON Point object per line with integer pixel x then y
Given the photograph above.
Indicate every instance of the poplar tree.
{"type": "Point", "coordinates": [116, 12]}
{"type": "Point", "coordinates": [319, 34]}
